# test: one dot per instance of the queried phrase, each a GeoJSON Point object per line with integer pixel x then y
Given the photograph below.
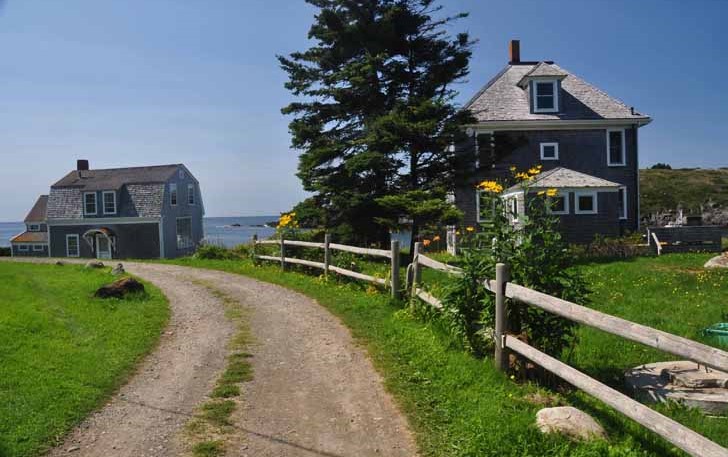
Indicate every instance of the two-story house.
{"type": "Point", "coordinates": [139, 212]}
{"type": "Point", "coordinates": [586, 141]}
{"type": "Point", "coordinates": [33, 242]}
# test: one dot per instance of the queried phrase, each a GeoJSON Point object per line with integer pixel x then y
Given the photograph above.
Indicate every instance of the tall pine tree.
{"type": "Point", "coordinates": [375, 117]}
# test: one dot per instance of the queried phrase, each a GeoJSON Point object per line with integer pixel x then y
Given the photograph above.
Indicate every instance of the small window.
{"type": "Point", "coordinates": [89, 203]}
{"type": "Point", "coordinates": [173, 194]}
{"type": "Point", "coordinates": [38, 247]}
{"type": "Point", "coordinates": [559, 204]}
{"type": "Point", "coordinates": [23, 247]}
{"type": "Point", "coordinates": [512, 208]}
{"type": "Point", "coordinates": [34, 227]}
{"type": "Point", "coordinates": [109, 202]}
{"type": "Point", "coordinates": [485, 206]}
{"type": "Point", "coordinates": [546, 97]}
{"type": "Point", "coordinates": [184, 233]}
{"type": "Point", "coordinates": [191, 198]}
{"type": "Point", "coordinates": [615, 148]}
{"type": "Point", "coordinates": [72, 246]}
{"type": "Point", "coordinates": [182, 174]}
{"type": "Point", "coordinates": [549, 151]}
{"type": "Point", "coordinates": [586, 203]}
{"type": "Point", "coordinates": [623, 203]}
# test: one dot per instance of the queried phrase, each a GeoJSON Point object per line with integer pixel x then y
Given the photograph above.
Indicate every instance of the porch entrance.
{"type": "Point", "coordinates": [103, 246]}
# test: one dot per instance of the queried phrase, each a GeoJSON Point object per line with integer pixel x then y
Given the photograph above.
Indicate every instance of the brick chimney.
{"type": "Point", "coordinates": [514, 51]}
{"type": "Point", "coordinates": [82, 165]}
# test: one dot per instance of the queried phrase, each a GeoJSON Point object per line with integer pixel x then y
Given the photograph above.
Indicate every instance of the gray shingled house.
{"type": "Point", "coordinates": [587, 142]}
{"type": "Point", "coordinates": [140, 212]}
{"type": "Point", "coordinates": [33, 242]}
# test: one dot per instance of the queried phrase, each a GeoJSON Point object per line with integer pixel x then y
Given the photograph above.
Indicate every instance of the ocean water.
{"type": "Point", "coordinates": [218, 230]}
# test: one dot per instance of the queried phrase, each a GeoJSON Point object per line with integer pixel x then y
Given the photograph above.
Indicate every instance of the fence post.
{"type": "Point", "coordinates": [501, 316]}
{"type": "Point", "coordinates": [395, 270]}
{"type": "Point", "coordinates": [327, 254]}
{"type": "Point", "coordinates": [416, 269]}
{"type": "Point", "coordinates": [255, 246]}
{"type": "Point", "coordinates": [283, 253]}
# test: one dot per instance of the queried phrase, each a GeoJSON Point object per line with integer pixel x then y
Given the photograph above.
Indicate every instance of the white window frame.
{"type": "Point", "coordinates": [624, 149]}
{"type": "Point", "coordinates": [34, 227]}
{"type": "Point", "coordinates": [173, 193]}
{"type": "Point", "coordinates": [85, 205]}
{"type": "Point", "coordinates": [176, 232]}
{"type": "Point", "coordinates": [556, 151]}
{"type": "Point", "coordinates": [567, 209]}
{"type": "Point", "coordinates": [586, 193]}
{"type": "Point", "coordinates": [191, 192]}
{"type": "Point", "coordinates": [625, 212]}
{"type": "Point", "coordinates": [477, 208]}
{"type": "Point", "coordinates": [78, 245]}
{"type": "Point", "coordinates": [512, 208]}
{"type": "Point", "coordinates": [38, 247]}
{"type": "Point", "coordinates": [555, 86]}
{"type": "Point", "coordinates": [103, 200]}
{"type": "Point", "coordinates": [23, 248]}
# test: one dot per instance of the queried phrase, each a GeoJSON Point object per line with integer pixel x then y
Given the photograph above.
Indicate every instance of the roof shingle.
{"type": "Point", "coordinates": [39, 211]}
{"type": "Point", "coordinates": [561, 178]}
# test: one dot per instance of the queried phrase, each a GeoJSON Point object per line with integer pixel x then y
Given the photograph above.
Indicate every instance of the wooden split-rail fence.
{"type": "Point", "coordinates": [684, 438]}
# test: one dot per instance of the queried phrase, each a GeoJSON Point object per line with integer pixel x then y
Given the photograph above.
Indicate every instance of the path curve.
{"type": "Point", "coordinates": [314, 393]}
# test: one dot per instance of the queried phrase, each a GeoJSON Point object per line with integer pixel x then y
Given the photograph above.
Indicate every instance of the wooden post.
{"type": "Point", "coordinates": [416, 269]}
{"type": "Point", "coordinates": [501, 317]}
{"type": "Point", "coordinates": [327, 254]}
{"type": "Point", "coordinates": [395, 270]}
{"type": "Point", "coordinates": [283, 253]}
{"type": "Point", "coordinates": [254, 249]}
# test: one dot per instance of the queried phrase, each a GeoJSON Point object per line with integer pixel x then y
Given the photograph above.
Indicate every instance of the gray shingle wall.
{"type": "Point", "coordinates": [142, 200]}
{"type": "Point", "coordinates": [65, 203]}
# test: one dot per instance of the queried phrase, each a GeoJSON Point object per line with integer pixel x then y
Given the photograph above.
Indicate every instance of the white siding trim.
{"type": "Point", "coordinates": [78, 245]}
{"type": "Point", "coordinates": [96, 204]}
{"type": "Point", "coordinates": [625, 204]}
{"type": "Point", "coordinates": [556, 151]}
{"type": "Point", "coordinates": [584, 193]}
{"type": "Point", "coordinates": [101, 220]}
{"type": "Point", "coordinates": [555, 86]}
{"type": "Point", "coordinates": [567, 204]}
{"type": "Point", "coordinates": [103, 201]}
{"type": "Point", "coordinates": [624, 149]}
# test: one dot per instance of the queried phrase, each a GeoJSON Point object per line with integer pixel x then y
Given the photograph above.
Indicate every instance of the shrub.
{"type": "Point", "coordinates": [612, 248]}
{"type": "Point", "coordinates": [5, 252]}
{"type": "Point", "coordinates": [212, 252]}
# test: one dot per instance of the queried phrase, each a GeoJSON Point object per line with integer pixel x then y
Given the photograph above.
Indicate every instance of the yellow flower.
{"type": "Point", "coordinates": [552, 192]}
{"type": "Point", "coordinates": [490, 186]}
{"type": "Point", "coordinates": [470, 229]}
{"type": "Point", "coordinates": [426, 242]}
{"type": "Point", "coordinates": [436, 238]}
{"type": "Point", "coordinates": [457, 232]}
{"type": "Point", "coordinates": [541, 193]}
{"type": "Point", "coordinates": [534, 171]}
{"type": "Point", "coordinates": [513, 169]}
{"type": "Point", "coordinates": [523, 176]}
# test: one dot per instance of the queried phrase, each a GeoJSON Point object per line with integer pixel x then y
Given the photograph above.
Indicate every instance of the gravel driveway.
{"type": "Point", "coordinates": [314, 391]}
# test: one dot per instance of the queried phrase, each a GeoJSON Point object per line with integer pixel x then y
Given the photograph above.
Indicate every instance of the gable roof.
{"type": "Point", "coordinates": [116, 178]}
{"type": "Point", "coordinates": [502, 99]}
{"type": "Point", "coordinates": [561, 178]}
{"type": "Point", "coordinates": [39, 211]}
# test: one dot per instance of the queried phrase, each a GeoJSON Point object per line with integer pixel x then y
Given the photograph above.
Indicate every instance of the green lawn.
{"type": "Point", "coordinates": [63, 352]}
{"type": "Point", "coordinates": [461, 406]}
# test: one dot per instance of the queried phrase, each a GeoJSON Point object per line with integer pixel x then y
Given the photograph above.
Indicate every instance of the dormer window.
{"type": "Point", "coordinates": [89, 203]}
{"type": "Point", "coordinates": [545, 96]}
{"type": "Point", "coordinates": [109, 198]}
{"type": "Point", "coordinates": [34, 227]}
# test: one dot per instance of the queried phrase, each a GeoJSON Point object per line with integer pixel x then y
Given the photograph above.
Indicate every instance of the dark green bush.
{"type": "Point", "coordinates": [212, 252]}
{"type": "Point", "coordinates": [5, 252]}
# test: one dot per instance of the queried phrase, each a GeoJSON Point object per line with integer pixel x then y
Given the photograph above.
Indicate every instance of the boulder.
{"type": "Point", "coordinates": [120, 288]}
{"type": "Point", "coordinates": [94, 264]}
{"type": "Point", "coordinates": [569, 421]}
{"type": "Point", "coordinates": [118, 270]}
{"type": "Point", "coordinates": [60, 263]}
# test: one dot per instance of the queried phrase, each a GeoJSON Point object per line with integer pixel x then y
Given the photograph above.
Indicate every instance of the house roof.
{"type": "Point", "coordinates": [30, 237]}
{"type": "Point", "coordinates": [116, 178]}
{"type": "Point", "coordinates": [561, 177]}
{"type": "Point", "coordinates": [39, 211]}
{"type": "Point", "coordinates": [502, 99]}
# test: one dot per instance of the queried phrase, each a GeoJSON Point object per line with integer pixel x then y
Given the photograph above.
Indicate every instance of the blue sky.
{"type": "Point", "coordinates": [134, 82]}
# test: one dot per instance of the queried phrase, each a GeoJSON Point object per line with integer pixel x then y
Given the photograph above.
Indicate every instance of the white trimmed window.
{"type": "Point", "coordinates": [191, 197]}
{"type": "Point", "coordinates": [73, 247]}
{"type": "Point", "coordinates": [622, 202]}
{"type": "Point", "coordinates": [184, 233]}
{"type": "Point", "coordinates": [89, 203]}
{"type": "Point", "coordinates": [34, 227]}
{"type": "Point", "coordinates": [173, 194]}
{"type": "Point", "coordinates": [23, 248]}
{"type": "Point", "coordinates": [109, 198]}
{"type": "Point", "coordinates": [586, 202]}
{"type": "Point", "coordinates": [38, 247]}
{"type": "Point", "coordinates": [512, 208]}
{"type": "Point", "coordinates": [545, 96]}
{"type": "Point", "coordinates": [559, 204]}
{"type": "Point", "coordinates": [616, 148]}
{"type": "Point", "coordinates": [484, 205]}
{"type": "Point", "coordinates": [549, 151]}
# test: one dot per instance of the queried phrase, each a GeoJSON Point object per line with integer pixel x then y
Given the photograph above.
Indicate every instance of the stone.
{"type": "Point", "coordinates": [94, 264]}
{"type": "Point", "coordinates": [120, 288]}
{"type": "Point", "coordinates": [60, 263]}
{"type": "Point", "coordinates": [569, 421]}
{"type": "Point", "coordinates": [118, 270]}
{"type": "Point", "coordinates": [74, 449]}
{"type": "Point", "coordinates": [720, 261]}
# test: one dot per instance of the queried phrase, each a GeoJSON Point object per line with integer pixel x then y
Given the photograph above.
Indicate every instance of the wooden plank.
{"type": "Point", "coordinates": [501, 316]}
{"type": "Point", "coordinates": [358, 250]}
{"type": "Point", "coordinates": [355, 275]}
{"type": "Point", "coordinates": [327, 253]}
{"type": "Point", "coordinates": [306, 244]}
{"type": "Point", "coordinates": [667, 342]}
{"type": "Point", "coordinates": [657, 243]}
{"type": "Point", "coordinates": [677, 434]}
{"type": "Point", "coordinates": [416, 269]}
{"type": "Point", "coordinates": [394, 270]}
{"type": "Point", "coordinates": [269, 241]}
{"type": "Point", "coordinates": [308, 263]}
{"type": "Point", "coordinates": [435, 265]}
{"type": "Point", "coordinates": [428, 298]}
{"type": "Point", "coordinates": [269, 257]}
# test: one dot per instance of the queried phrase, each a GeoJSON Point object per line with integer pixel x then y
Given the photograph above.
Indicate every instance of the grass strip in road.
{"type": "Point", "coordinates": [209, 431]}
